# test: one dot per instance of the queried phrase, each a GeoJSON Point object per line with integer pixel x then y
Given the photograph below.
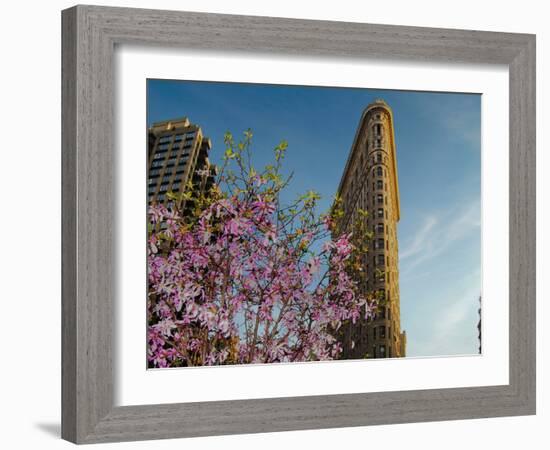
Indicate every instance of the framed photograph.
{"type": "Point", "coordinates": [277, 224]}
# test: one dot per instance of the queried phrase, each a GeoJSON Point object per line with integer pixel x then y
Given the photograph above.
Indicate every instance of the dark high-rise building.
{"type": "Point", "coordinates": [479, 326]}
{"type": "Point", "coordinates": [370, 183]}
{"type": "Point", "coordinates": [177, 154]}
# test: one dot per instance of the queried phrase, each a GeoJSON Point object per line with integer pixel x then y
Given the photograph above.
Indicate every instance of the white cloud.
{"type": "Point", "coordinates": [436, 233]}
{"type": "Point", "coordinates": [441, 320]}
{"type": "Point", "coordinates": [452, 328]}
{"type": "Point", "coordinates": [420, 239]}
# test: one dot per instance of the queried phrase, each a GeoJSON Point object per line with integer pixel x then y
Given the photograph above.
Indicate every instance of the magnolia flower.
{"type": "Point", "coordinates": [165, 327]}
{"type": "Point", "coordinates": [192, 310]}
{"type": "Point", "coordinates": [231, 283]}
{"type": "Point", "coordinates": [203, 172]}
{"type": "Point", "coordinates": [223, 325]}
{"type": "Point", "coordinates": [314, 265]}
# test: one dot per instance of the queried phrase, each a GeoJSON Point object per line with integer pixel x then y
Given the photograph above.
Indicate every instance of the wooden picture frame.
{"type": "Point", "coordinates": [90, 34]}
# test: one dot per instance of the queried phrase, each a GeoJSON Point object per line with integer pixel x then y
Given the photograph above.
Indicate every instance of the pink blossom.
{"type": "Point", "coordinates": [165, 327]}
{"type": "Point", "coordinates": [235, 286]}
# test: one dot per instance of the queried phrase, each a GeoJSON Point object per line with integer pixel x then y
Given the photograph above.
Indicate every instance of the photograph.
{"type": "Point", "coordinates": [311, 223]}
{"type": "Point", "coordinates": [265, 225]}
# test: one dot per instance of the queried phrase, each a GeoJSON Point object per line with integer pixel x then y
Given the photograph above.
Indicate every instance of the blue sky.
{"type": "Point", "coordinates": [438, 142]}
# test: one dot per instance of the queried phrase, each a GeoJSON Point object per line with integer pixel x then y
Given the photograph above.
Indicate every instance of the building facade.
{"type": "Point", "coordinates": [177, 154]}
{"type": "Point", "coordinates": [370, 183]}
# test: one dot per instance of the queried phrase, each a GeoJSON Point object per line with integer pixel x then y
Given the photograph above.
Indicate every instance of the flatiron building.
{"type": "Point", "coordinates": [370, 183]}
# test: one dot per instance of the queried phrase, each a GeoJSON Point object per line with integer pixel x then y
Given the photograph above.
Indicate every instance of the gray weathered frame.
{"type": "Point", "coordinates": [90, 34]}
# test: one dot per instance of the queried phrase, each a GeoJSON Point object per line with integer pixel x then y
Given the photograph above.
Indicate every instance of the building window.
{"type": "Point", "coordinates": [382, 351]}
{"type": "Point", "coordinates": [379, 244]}
{"type": "Point", "coordinates": [382, 332]}
{"type": "Point", "coordinates": [379, 171]}
{"type": "Point", "coordinates": [374, 351]}
{"type": "Point", "coordinates": [166, 138]}
{"type": "Point", "coordinates": [380, 228]}
{"type": "Point", "coordinates": [380, 260]}
{"type": "Point", "coordinates": [382, 313]}
{"type": "Point", "coordinates": [374, 333]}
{"type": "Point", "coordinates": [389, 313]}
{"type": "Point", "coordinates": [379, 184]}
{"type": "Point", "coordinates": [389, 352]}
{"type": "Point", "coordinates": [381, 213]}
{"type": "Point", "coordinates": [379, 157]}
{"type": "Point", "coordinates": [379, 198]}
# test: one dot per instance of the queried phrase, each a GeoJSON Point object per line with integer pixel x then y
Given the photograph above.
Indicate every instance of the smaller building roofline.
{"type": "Point", "coordinates": [177, 122]}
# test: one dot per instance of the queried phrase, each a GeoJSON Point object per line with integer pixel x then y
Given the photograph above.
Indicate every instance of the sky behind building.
{"type": "Point", "coordinates": [438, 144]}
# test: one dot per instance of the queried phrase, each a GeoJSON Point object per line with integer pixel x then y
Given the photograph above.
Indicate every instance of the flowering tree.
{"type": "Point", "coordinates": [235, 277]}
